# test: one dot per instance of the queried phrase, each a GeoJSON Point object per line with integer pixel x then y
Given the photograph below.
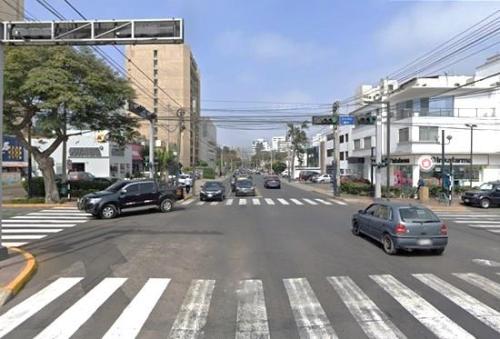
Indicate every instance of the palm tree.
{"type": "Point", "coordinates": [298, 142]}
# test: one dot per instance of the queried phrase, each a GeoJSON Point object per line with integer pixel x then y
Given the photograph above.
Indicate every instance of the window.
{"type": "Point", "coordinates": [347, 138]}
{"type": "Point", "coordinates": [357, 144]}
{"type": "Point", "coordinates": [155, 53]}
{"type": "Point", "coordinates": [155, 73]}
{"type": "Point", "coordinates": [329, 152]}
{"type": "Point", "coordinates": [428, 133]}
{"type": "Point", "coordinates": [372, 209]}
{"type": "Point", "coordinates": [155, 92]}
{"type": "Point", "coordinates": [341, 139]}
{"type": "Point", "coordinates": [404, 134]}
{"type": "Point", "coordinates": [346, 155]}
{"type": "Point", "coordinates": [155, 82]}
{"type": "Point", "coordinates": [368, 142]}
{"type": "Point", "coordinates": [441, 106]}
{"type": "Point", "coordinates": [329, 137]}
{"type": "Point", "coordinates": [147, 187]}
{"type": "Point", "coordinates": [132, 189]}
{"type": "Point", "coordinates": [417, 214]}
{"type": "Point", "coordinates": [155, 63]}
{"type": "Point", "coordinates": [383, 212]}
{"type": "Point", "coordinates": [342, 156]}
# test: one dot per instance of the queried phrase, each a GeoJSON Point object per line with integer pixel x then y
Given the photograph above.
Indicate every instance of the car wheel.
{"type": "Point", "coordinates": [355, 228]}
{"type": "Point", "coordinates": [485, 203]}
{"type": "Point", "coordinates": [437, 251]}
{"type": "Point", "coordinates": [166, 205]}
{"type": "Point", "coordinates": [108, 211]}
{"type": "Point", "coordinates": [388, 244]}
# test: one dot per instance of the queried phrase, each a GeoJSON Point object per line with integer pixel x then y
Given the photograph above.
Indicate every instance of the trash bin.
{"type": "Point", "coordinates": [423, 193]}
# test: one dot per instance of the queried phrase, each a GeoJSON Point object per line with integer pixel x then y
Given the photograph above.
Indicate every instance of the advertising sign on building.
{"type": "Point", "coordinates": [12, 151]}
{"type": "Point", "coordinates": [426, 163]}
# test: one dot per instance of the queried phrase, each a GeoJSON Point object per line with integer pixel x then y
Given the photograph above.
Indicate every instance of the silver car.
{"type": "Point", "coordinates": [401, 226]}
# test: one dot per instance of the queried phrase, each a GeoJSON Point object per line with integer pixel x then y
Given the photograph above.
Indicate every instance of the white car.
{"type": "Point", "coordinates": [323, 179]}
{"type": "Point", "coordinates": [185, 180]}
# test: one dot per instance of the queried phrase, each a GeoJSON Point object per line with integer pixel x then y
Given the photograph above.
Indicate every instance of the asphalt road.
{"type": "Point", "coordinates": [254, 270]}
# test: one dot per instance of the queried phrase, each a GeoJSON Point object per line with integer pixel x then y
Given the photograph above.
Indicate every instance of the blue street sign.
{"type": "Point", "coordinates": [346, 120]}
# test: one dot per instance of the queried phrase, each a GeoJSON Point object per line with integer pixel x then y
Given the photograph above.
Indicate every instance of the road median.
{"type": "Point", "coordinates": [15, 272]}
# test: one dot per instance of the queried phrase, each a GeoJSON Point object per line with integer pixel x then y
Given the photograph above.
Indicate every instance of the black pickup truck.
{"type": "Point", "coordinates": [128, 195]}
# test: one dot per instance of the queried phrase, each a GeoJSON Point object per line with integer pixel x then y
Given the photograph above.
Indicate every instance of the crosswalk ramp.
{"type": "Point", "coordinates": [65, 309]}
{"type": "Point", "coordinates": [266, 202]}
{"type": "Point", "coordinates": [488, 221]}
{"type": "Point", "coordinates": [23, 229]}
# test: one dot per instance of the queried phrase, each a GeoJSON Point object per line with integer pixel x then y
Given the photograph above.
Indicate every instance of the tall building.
{"type": "Point", "coordinates": [11, 10]}
{"type": "Point", "coordinates": [279, 144]}
{"type": "Point", "coordinates": [263, 142]}
{"type": "Point", "coordinates": [208, 142]}
{"type": "Point", "coordinates": [172, 84]}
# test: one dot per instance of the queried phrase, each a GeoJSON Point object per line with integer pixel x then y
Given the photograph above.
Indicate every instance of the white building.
{"type": "Point", "coordinates": [90, 152]}
{"type": "Point", "coordinates": [263, 142]}
{"type": "Point", "coordinates": [279, 144]}
{"type": "Point", "coordinates": [421, 109]}
{"type": "Point", "coordinates": [208, 143]}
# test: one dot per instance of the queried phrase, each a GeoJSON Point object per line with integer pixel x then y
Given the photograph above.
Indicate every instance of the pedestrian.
{"type": "Point", "coordinates": [420, 184]}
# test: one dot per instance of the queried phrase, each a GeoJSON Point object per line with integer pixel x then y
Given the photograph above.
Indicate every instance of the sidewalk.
{"type": "Point", "coordinates": [327, 190]}
{"type": "Point", "coordinates": [15, 272]}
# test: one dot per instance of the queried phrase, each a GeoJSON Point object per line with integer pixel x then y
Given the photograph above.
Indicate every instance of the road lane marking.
{"type": "Point", "coordinates": [214, 203]}
{"type": "Point", "coordinates": [192, 316]}
{"type": "Point", "coordinates": [21, 312]}
{"type": "Point", "coordinates": [70, 321]}
{"type": "Point", "coordinates": [310, 317]}
{"type": "Point", "coordinates": [200, 203]}
{"type": "Point", "coordinates": [229, 202]}
{"type": "Point", "coordinates": [269, 201]}
{"type": "Point", "coordinates": [187, 202]}
{"type": "Point", "coordinates": [256, 201]}
{"type": "Point", "coordinates": [476, 222]}
{"type": "Point", "coordinates": [484, 226]}
{"type": "Point", "coordinates": [242, 202]}
{"type": "Point", "coordinates": [251, 318]}
{"type": "Point", "coordinates": [32, 230]}
{"type": "Point", "coordinates": [9, 225]}
{"type": "Point", "coordinates": [8, 221]}
{"type": "Point", "coordinates": [65, 208]}
{"type": "Point", "coordinates": [61, 214]}
{"type": "Point", "coordinates": [338, 202]}
{"type": "Point", "coordinates": [133, 317]}
{"type": "Point", "coordinates": [428, 315]}
{"type": "Point", "coordinates": [13, 243]}
{"type": "Point", "coordinates": [324, 202]}
{"type": "Point", "coordinates": [481, 282]}
{"type": "Point", "coordinates": [23, 236]}
{"type": "Point", "coordinates": [372, 320]}
{"type": "Point", "coordinates": [482, 312]}
{"type": "Point", "coordinates": [485, 262]}
{"type": "Point", "coordinates": [309, 201]}
{"type": "Point", "coordinates": [50, 217]}
{"type": "Point", "coordinates": [296, 202]}
{"type": "Point", "coordinates": [283, 201]}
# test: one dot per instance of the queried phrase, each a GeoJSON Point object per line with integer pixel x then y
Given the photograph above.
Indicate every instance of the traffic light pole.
{"type": "Point", "coordinates": [378, 157]}
{"type": "Point", "coordinates": [388, 148]}
{"type": "Point", "coordinates": [152, 148]}
{"type": "Point", "coordinates": [3, 250]}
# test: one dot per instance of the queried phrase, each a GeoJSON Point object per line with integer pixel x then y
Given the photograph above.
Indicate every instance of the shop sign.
{"type": "Point", "coordinates": [426, 163]}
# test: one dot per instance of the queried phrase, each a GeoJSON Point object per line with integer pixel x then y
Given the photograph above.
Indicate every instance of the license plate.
{"type": "Point", "coordinates": [424, 242]}
{"type": "Point", "coordinates": [210, 195]}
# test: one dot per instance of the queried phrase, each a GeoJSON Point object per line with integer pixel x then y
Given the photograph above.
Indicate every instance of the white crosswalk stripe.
{"type": "Point", "coordinates": [187, 202]}
{"type": "Point", "coordinates": [130, 322]}
{"type": "Point", "coordinates": [428, 315]}
{"type": "Point", "coordinates": [23, 236]}
{"type": "Point", "coordinates": [49, 217]}
{"type": "Point", "coordinates": [269, 201]}
{"type": "Point", "coordinates": [32, 221]}
{"type": "Point", "coordinates": [310, 317]}
{"type": "Point", "coordinates": [21, 225]}
{"type": "Point", "coordinates": [296, 202]}
{"type": "Point", "coordinates": [309, 201]}
{"type": "Point", "coordinates": [483, 221]}
{"type": "Point", "coordinates": [256, 201]}
{"type": "Point", "coordinates": [242, 202]}
{"type": "Point", "coordinates": [338, 202]}
{"type": "Point", "coordinates": [251, 318]}
{"type": "Point", "coordinates": [324, 202]}
{"type": "Point", "coordinates": [229, 202]}
{"type": "Point", "coordinates": [200, 203]}
{"type": "Point", "coordinates": [372, 320]}
{"type": "Point", "coordinates": [479, 310]}
{"type": "Point", "coordinates": [192, 316]}
{"type": "Point", "coordinates": [214, 203]}
{"type": "Point", "coordinates": [31, 230]}
{"type": "Point", "coordinates": [283, 201]}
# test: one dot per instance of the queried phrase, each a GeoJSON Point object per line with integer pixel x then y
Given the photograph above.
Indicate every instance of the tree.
{"type": "Point", "coordinates": [54, 87]}
{"type": "Point", "coordinates": [298, 142]}
{"type": "Point", "coordinates": [164, 157]}
{"type": "Point", "coordinates": [279, 167]}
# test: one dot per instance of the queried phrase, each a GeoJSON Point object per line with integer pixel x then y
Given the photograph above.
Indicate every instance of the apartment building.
{"type": "Point", "coordinates": [166, 80]}
{"type": "Point", "coordinates": [208, 142]}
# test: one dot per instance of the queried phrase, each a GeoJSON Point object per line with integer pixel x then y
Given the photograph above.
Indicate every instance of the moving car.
{"type": "Point", "coordinates": [486, 196]}
{"type": "Point", "coordinates": [322, 179]}
{"type": "Point", "coordinates": [400, 226]}
{"type": "Point", "coordinates": [213, 190]}
{"type": "Point", "coordinates": [307, 175]}
{"type": "Point", "coordinates": [244, 187]}
{"type": "Point", "coordinates": [272, 181]}
{"type": "Point", "coordinates": [185, 180]}
{"type": "Point", "coordinates": [125, 196]}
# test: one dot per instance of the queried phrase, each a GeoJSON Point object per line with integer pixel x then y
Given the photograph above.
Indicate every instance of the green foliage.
{"type": "Point", "coordinates": [78, 189]}
{"type": "Point", "coordinates": [37, 187]}
{"type": "Point", "coordinates": [208, 173]}
{"type": "Point", "coordinates": [298, 140]}
{"type": "Point", "coordinates": [356, 188]}
{"type": "Point", "coordinates": [25, 201]}
{"type": "Point", "coordinates": [202, 163]}
{"type": "Point", "coordinates": [279, 167]}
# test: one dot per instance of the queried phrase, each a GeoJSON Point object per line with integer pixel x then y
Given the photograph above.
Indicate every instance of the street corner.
{"type": "Point", "coordinates": [15, 272]}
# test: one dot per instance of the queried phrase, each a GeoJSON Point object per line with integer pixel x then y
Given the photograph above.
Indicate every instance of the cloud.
{"type": "Point", "coordinates": [271, 47]}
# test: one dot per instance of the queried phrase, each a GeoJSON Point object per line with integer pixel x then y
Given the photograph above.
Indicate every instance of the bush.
{"type": "Point", "coordinates": [37, 187]}
{"type": "Point", "coordinates": [355, 188]}
{"type": "Point", "coordinates": [208, 173]}
{"type": "Point", "coordinates": [77, 187]}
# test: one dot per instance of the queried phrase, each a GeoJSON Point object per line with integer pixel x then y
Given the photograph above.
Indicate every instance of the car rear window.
{"type": "Point", "coordinates": [417, 214]}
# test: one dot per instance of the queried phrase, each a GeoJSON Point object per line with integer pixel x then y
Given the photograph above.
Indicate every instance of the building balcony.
{"type": "Point", "coordinates": [447, 112]}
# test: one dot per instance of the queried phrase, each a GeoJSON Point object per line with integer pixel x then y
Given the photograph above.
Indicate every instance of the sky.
{"type": "Point", "coordinates": [288, 51]}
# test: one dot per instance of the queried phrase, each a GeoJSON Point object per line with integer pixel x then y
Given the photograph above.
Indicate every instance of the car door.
{"type": "Point", "coordinates": [368, 219]}
{"type": "Point", "coordinates": [496, 195]}
{"type": "Point", "coordinates": [384, 215]}
{"type": "Point", "coordinates": [129, 196]}
{"type": "Point", "coordinates": [148, 194]}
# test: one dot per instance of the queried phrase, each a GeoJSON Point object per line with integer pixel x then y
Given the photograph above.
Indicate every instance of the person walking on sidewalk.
{"type": "Point", "coordinates": [420, 184]}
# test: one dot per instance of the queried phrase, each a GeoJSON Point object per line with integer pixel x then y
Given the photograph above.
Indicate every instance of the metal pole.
{"type": "Point", "coordinates": [378, 172]}
{"type": "Point", "coordinates": [221, 160]}
{"type": "Point", "coordinates": [471, 152]}
{"type": "Point", "coordinates": [30, 164]}
{"type": "Point", "coordinates": [336, 169]}
{"type": "Point", "coordinates": [371, 168]}
{"type": "Point", "coordinates": [151, 149]}
{"type": "Point", "coordinates": [388, 149]}
{"type": "Point", "coordinates": [64, 145]}
{"type": "Point", "coordinates": [3, 250]}
{"type": "Point", "coordinates": [442, 160]}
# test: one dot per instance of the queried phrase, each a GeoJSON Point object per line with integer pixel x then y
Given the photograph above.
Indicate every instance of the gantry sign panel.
{"type": "Point", "coordinates": [93, 32]}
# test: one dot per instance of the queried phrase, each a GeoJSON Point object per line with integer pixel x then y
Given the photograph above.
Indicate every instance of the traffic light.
{"type": "Point", "coordinates": [366, 120]}
{"type": "Point", "coordinates": [325, 119]}
{"type": "Point", "coordinates": [383, 163]}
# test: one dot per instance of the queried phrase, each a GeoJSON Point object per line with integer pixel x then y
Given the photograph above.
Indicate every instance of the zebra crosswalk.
{"type": "Point", "coordinates": [252, 318]}
{"type": "Point", "coordinates": [266, 202]}
{"type": "Point", "coordinates": [488, 221]}
{"type": "Point", "coordinates": [21, 229]}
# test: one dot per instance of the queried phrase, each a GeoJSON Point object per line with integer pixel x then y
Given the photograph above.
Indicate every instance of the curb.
{"type": "Point", "coordinates": [35, 205]}
{"type": "Point", "coordinates": [15, 285]}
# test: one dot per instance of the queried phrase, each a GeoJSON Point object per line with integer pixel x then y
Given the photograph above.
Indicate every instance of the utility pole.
{"type": "Point", "coordinates": [221, 160]}
{"type": "Point", "coordinates": [388, 148]}
{"type": "Point", "coordinates": [152, 169]}
{"type": "Point", "coordinates": [471, 126]}
{"type": "Point", "coordinates": [442, 160]}
{"type": "Point", "coordinates": [3, 250]}
{"type": "Point", "coordinates": [180, 115]}
{"type": "Point", "coordinates": [30, 164]}
{"type": "Point", "coordinates": [290, 160]}
{"type": "Point", "coordinates": [64, 145]}
{"type": "Point", "coordinates": [378, 156]}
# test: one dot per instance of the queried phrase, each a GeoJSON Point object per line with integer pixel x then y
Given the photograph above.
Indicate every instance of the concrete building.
{"type": "Point", "coordinates": [90, 152]}
{"type": "Point", "coordinates": [263, 142]}
{"type": "Point", "coordinates": [279, 144]}
{"type": "Point", "coordinates": [11, 10]}
{"type": "Point", "coordinates": [173, 82]}
{"type": "Point", "coordinates": [208, 142]}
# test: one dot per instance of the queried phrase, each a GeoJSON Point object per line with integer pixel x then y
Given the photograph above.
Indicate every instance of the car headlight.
{"type": "Point", "coordinates": [218, 192]}
{"type": "Point", "coordinates": [203, 192]}
{"type": "Point", "coordinates": [94, 200]}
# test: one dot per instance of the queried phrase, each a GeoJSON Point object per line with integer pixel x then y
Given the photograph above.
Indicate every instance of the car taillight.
{"type": "Point", "coordinates": [400, 229]}
{"type": "Point", "coordinates": [444, 229]}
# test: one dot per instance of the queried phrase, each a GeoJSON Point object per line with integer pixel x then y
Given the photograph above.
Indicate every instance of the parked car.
{"type": "Point", "coordinates": [185, 180]}
{"type": "Point", "coordinates": [400, 226]}
{"type": "Point", "coordinates": [244, 187]}
{"type": "Point", "coordinates": [272, 181]}
{"type": "Point", "coordinates": [307, 175]}
{"type": "Point", "coordinates": [78, 176]}
{"type": "Point", "coordinates": [213, 190]}
{"type": "Point", "coordinates": [322, 179]}
{"type": "Point", "coordinates": [487, 195]}
{"type": "Point", "coordinates": [126, 195]}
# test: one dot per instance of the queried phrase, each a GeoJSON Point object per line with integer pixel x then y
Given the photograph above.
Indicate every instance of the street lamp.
{"type": "Point", "coordinates": [449, 137]}
{"type": "Point", "coordinates": [471, 126]}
